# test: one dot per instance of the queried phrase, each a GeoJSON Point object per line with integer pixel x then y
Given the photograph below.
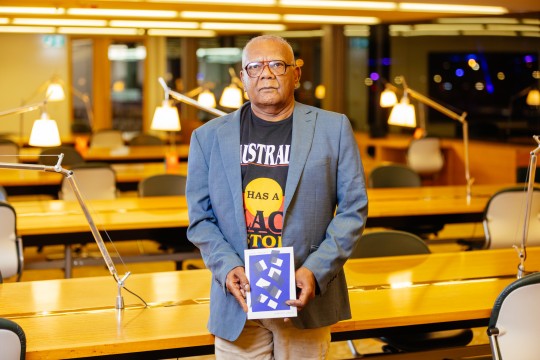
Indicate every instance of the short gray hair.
{"type": "Point", "coordinates": [275, 38]}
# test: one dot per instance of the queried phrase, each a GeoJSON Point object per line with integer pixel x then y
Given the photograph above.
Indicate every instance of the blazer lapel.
{"type": "Point", "coordinates": [302, 140]}
{"type": "Point", "coordinates": [229, 148]}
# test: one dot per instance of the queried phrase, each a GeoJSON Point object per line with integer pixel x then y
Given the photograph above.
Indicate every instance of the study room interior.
{"type": "Point", "coordinates": [444, 101]}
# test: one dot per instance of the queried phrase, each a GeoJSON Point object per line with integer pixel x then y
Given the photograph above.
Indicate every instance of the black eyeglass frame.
{"type": "Point", "coordinates": [264, 64]}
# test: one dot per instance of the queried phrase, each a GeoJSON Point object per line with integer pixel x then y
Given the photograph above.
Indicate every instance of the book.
{"type": "Point", "coordinates": [270, 272]}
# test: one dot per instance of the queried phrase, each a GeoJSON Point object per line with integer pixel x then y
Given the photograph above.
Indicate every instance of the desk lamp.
{"type": "Point", "coordinates": [403, 113]}
{"type": "Point", "coordinates": [44, 131]}
{"type": "Point", "coordinates": [232, 94]}
{"type": "Point", "coordinates": [71, 179]}
{"type": "Point", "coordinates": [522, 252]}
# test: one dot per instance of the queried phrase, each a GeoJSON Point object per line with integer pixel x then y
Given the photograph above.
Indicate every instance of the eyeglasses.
{"type": "Point", "coordinates": [277, 67]}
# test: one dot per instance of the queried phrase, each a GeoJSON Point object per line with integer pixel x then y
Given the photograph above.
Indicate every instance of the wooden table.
{"type": "Point", "coordinates": [123, 154]}
{"type": "Point", "coordinates": [73, 318]}
{"type": "Point", "coordinates": [128, 175]}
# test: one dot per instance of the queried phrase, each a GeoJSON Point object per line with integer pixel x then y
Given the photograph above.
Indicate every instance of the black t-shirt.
{"type": "Point", "coordinates": [264, 156]}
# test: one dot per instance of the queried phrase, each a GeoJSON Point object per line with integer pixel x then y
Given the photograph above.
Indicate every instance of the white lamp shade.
{"type": "Point", "coordinates": [533, 98]}
{"type": "Point", "coordinates": [44, 132]}
{"type": "Point", "coordinates": [166, 118]}
{"type": "Point", "coordinates": [55, 92]}
{"type": "Point", "coordinates": [403, 114]}
{"type": "Point", "coordinates": [388, 98]}
{"type": "Point", "coordinates": [231, 97]}
{"type": "Point", "coordinates": [207, 99]}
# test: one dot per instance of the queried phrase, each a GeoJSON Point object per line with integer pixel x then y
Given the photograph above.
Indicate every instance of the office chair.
{"type": "Point", "coordinates": [9, 151]}
{"type": "Point", "coordinates": [425, 157]}
{"type": "Point", "coordinates": [107, 138]}
{"type": "Point", "coordinates": [71, 156]}
{"type": "Point", "coordinates": [165, 185]}
{"type": "Point", "coordinates": [514, 323]}
{"type": "Point", "coordinates": [393, 175]}
{"type": "Point", "coordinates": [398, 175]}
{"type": "Point", "coordinates": [11, 249]}
{"type": "Point", "coordinates": [146, 139]}
{"type": "Point", "coordinates": [397, 243]}
{"type": "Point", "coordinates": [3, 193]}
{"type": "Point", "coordinates": [12, 340]}
{"type": "Point", "coordinates": [95, 181]}
{"type": "Point", "coordinates": [504, 216]}
{"type": "Point", "coordinates": [162, 185]}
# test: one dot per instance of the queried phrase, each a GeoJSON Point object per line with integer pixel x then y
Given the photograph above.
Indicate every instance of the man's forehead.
{"type": "Point", "coordinates": [261, 49]}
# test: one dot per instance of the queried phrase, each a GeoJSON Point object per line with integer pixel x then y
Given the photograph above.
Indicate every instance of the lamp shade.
{"type": "Point", "coordinates": [388, 98]}
{"type": "Point", "coordinates": [44, 132]}
{"type": "Point", "coordinates": [403, 114]}
{"type": "Point", "coordinates": [166, 118]}
{"type": "Point", "coordinates": [207, 99]}
{"type": "Point", "coordinates": [231, 97]}
{"type": "Point", "coordinates": [533, 97]}
{"type": "Point", "coordinates": [55, 92]}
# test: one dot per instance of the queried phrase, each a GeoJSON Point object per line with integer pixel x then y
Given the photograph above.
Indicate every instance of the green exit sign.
{"type": "Point", "coordinates": [54, 41]}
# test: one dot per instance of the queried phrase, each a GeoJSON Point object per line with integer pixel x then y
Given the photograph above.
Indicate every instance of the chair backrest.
{"type": "Point", "coordinates": [71, 156]}
{"type": "Point", "coordinates": [12, 340]}
{"type": "Point", "coordinates": [3, 193]}
{"type": "Point", "coordinates": [163, 185]}
{"type": "Point", "coordinates": [514, 323]}
{"type": "Point", "coordinates": [146, 139]}
{"type": "Point", "coordinates": [389, 243]}
{"type": "Point", "coordinates": [9, 151]}
{"type": "Point", "coordinates": [11, 253]}
{"type": "Point", "coordinates": [425, 156]}
{"type": "Point", "coordinates": [504, 218]}
{"type": "Point", "coordinates": [107, 138]}
{"type": "Point", "coordinates": [95, 181]}
{"type": "Point", "coordinates": [393, 175]}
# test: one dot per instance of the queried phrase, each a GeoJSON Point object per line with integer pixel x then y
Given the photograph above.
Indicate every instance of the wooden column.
{"type": "Point", "coordinates": [188, 71]}
{"type": "Point", "coordinates": [333, 67]}
{"type": "Point", "coordinates": [101, 85]}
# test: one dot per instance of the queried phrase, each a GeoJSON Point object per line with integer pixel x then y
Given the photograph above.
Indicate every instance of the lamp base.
{"type": "Point", "coordinates": [171, 162]}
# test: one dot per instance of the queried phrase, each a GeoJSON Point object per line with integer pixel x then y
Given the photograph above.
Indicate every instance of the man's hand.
{"type": "Point", "coordinates": [238, 284]}
{"type": "Point", "coordinates": [305, 281]}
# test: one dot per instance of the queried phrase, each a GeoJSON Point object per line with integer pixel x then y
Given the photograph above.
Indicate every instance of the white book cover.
{"type": "Point", "coordinates": [271, 277]}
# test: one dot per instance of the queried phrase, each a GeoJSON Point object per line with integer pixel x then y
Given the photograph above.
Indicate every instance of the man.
{"type": "Point", "coordinates": [275, 173]}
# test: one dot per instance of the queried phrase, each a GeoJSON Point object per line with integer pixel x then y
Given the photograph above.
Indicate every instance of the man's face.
{"type": "Point", "coordinates": [267, 90]}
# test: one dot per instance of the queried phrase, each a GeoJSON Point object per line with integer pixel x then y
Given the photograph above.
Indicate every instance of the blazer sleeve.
{"type": "Point", "coordinates": [203, 231]}
{"type": "Point", "coordinates": [346, 227]}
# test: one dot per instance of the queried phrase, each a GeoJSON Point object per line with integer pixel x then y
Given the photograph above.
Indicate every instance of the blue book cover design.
{"type": "Point", "coordinates": [271, 273]}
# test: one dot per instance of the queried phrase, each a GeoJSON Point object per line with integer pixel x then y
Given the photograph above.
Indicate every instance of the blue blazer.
{"type": "Point", "coordinates": [325, 211]}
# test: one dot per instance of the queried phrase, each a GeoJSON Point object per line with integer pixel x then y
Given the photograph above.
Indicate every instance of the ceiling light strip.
{"type": "Point", "coordinates": [27, 29]}
{"type": "Point", "coordinates": [58, 22]}
{"type": "Point", "coordinates": [242, 26]}
{"type": "Point", "coordinates": [100, 31]}
{"type": "Point", "coordinates": [298, 18]}
{"type": "Point", "coordinates": [229, 16]}
{"type": "Point", "coordinates": [154, 24]}
{"type": "Point", "coordinates": [31, 10]}
{"type": "Point", "coordinates": [162, 14]}
{"type": "Point", "coordinates": [452, 8]}
{"type": "Point", "coordinates": [219, 2]}
{"type": "Point", "coordinates": [337, 4]}
{"type": "Point", "coordinates": [181, 33]}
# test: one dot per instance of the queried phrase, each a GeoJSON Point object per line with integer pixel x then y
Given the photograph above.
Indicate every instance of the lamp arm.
{"type": "Point", "coordinates": [522, 253]}
{"type": "Point", "coordinates": [86, 100]}
{"type": "Point", "coordinates": [23, 109]}
{"type": "Point", "coordinates": [454, 116]}
{"type": "Point", "coordinates": [187, 100]}
{"type": "Point", "coordinates": [424, 99]}
{"type": "Point", "coordinates": [95, 232]}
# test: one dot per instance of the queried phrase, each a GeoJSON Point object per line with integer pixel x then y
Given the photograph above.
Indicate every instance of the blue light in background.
{"type": "Point", "coordinates": [374, 76]}
{"type": "Point", "coordinates": [460, 72]}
